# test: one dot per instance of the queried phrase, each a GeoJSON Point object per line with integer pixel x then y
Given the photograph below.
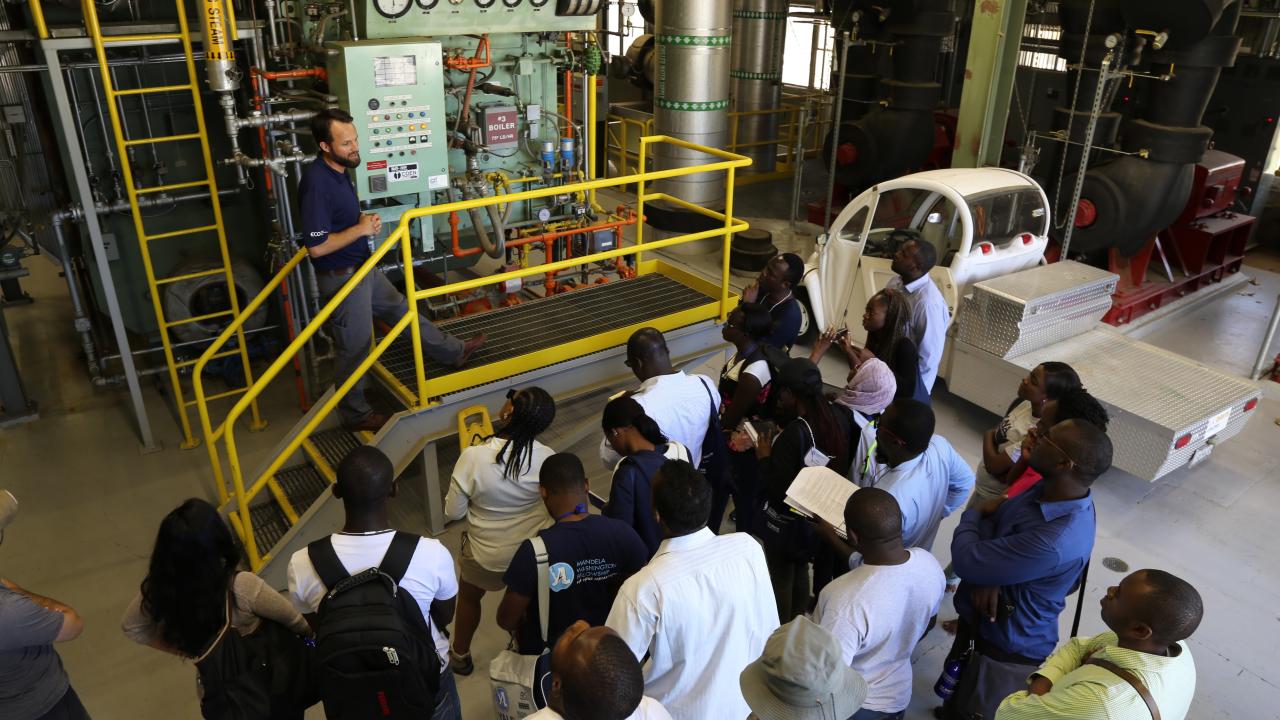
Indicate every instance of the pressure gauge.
{"type": "Point", "coordinates": [537, 3]}
{"type": "Point", "coordinates": [392, 8]}
{"type": "Point", "coordinates": [511, 3]}
{"type": "Point", "coordinates": [544, 214]}
{"type": "Point", "coordinates": [427, 4]}
{"type": "Point", "coordinates": [485, 4]}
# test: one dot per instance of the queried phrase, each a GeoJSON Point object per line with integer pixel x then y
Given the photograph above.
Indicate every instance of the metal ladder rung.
{"type": "Point", "coordinates": [150, 90]}
{"type": "Point", "coordinates": [189, 363]}
{"type": "Point", "coordinates": [152, 38]}
{"type": "Point", "coordinates": [178, 233]}
{"type": "Point", "coordinates": [190, 276]}
{"type": "Point", "coordinates": [219, 396]}
{"type": "Point", "coordinates": [198, 318]}
{"type": "Point", "coordinates": [173, 186]}
{"type": "Point", "coordinates": [164, 138]}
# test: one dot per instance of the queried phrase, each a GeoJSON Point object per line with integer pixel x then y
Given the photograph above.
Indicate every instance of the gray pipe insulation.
{"type": "Point", "coordinates": [1127, 200]}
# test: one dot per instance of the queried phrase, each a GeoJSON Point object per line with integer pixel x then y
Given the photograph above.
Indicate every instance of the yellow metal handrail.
{"type": "Point", "coordinates": [620, 128]}
{"type": "Point", "coordinates": [244, 494]}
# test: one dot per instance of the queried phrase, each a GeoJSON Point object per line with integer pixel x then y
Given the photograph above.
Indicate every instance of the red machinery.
{"type": "Point", "coordinates": [1206, 242]}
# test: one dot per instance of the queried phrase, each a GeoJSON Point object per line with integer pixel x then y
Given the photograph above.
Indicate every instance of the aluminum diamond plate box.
{"type": "Point", "coordinates": [1025, 311]}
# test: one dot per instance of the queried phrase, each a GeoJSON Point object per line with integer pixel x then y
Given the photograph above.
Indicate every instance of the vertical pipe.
{"type": "Point", "coordinates": [759, 32]}
{"type": "Point", "coordinates": [219, 53]}
{"type": "Point", "coordinates": [691, 93]}
{"type": "Point", "coordinates": [835, 144]}
{"type": "Point", "coordinates": [1266, 342]}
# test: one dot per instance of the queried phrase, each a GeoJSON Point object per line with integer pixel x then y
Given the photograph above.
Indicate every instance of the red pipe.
{"type": "Point", "coordinates": [318, 73]}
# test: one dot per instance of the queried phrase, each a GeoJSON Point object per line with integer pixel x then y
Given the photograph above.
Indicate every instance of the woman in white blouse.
{"type": "Point", "coordinates": [495, 486]}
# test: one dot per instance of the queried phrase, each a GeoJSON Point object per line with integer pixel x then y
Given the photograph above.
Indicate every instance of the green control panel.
{"type": "Point", "coordinates": [395, 94]}
{"type": "Point", "coordinates": [409, 18]}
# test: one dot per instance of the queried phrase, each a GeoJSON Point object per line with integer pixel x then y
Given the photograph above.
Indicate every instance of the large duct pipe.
{"type": "Point", "coordinates": [691, 100]}
{"type": "Point", "coordinates": [897, 136]}
{"type": "Point", "coordinates": [1125, 202]}
{"type": "Point", "coordinates": [759, 32]}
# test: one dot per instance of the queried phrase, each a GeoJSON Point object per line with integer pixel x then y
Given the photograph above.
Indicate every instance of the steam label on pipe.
{"type": "Point", "coordinates": [401, 173]}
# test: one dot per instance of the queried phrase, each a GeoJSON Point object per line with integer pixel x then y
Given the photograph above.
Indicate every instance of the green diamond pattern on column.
{"type": "Point", "coordinates": [759, 15]}
{"type": "Point", "coordinates": [692, 106]}
{"type": "Point", "coordinates": [695, 40]}
{"type": "Point", "coordinates": [744, 75]}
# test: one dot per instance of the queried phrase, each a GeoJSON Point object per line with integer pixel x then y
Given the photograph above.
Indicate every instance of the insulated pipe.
{"type": "Point", "coordinates": [82, 323]}
{"type": "Point", "coordinates": [759, 32]}
{"type": "Point", "coordinates": [691, 93]}
{"type": "Point", "coordinates": [219, 53]}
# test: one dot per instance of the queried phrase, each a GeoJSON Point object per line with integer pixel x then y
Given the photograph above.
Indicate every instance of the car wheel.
{"type": "Point", "coordinates": [808, 328]}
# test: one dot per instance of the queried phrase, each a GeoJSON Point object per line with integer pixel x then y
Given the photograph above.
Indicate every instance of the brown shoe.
{"type": "Point", "coordinates": [372, 422]}
{"type": "Point", "coordinates": [469, 348]}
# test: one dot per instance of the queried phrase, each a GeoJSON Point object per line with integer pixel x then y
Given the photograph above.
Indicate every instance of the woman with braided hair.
{"type": "Point", "coordinates": [495, 486]}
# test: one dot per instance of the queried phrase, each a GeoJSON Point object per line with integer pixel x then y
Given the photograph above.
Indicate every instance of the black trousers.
{"type": "Point", "coordinates": [68, 708]}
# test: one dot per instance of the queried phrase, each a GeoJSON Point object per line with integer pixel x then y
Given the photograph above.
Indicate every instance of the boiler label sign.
{"type": "Point", "coordinates": [501, 127]}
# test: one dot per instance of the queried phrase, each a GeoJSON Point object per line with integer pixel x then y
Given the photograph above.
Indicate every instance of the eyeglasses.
{"type": "Point", "coordinates": [1045, 437]}
{"type": "Point", "coordinates": [889, 434]}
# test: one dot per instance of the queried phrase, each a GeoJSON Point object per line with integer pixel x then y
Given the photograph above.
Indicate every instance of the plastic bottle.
{"type": "Point", "coordinates": [949, 678]}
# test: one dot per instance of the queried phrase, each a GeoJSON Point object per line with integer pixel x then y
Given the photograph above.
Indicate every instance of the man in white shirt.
{"type": "Point", "coordinates": [1150, 613]}
{"type": "Point", "coordinates": [366, 478]}
{"type": "Point", "coordinates": [929, 312]}
{"type": "Point", "coordinates": [701, 609]}
{"type": "Point", "coordinates": [928, 478]}
{"type": "Point", "coordinates": [880, 610]}
{"type": "Point", "coordinates": [594, 675]}
{"type": "Point", "coordinates": [682, 404]}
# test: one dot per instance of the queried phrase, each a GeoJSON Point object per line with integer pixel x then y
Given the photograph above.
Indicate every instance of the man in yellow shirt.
{"type": "Point", "coordinates": [1150, 613]}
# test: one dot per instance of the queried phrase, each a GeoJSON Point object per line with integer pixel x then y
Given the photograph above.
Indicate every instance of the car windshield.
{"type": "Point", "coordinates": [1002, 215]}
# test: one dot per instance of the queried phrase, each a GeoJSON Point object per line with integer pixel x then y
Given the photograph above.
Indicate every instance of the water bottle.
{"type": "Point", "coordinates": [949, 678]}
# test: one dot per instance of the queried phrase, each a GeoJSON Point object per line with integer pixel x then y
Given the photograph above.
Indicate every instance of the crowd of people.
{"type": "Point", "coordinates": [657, 605]}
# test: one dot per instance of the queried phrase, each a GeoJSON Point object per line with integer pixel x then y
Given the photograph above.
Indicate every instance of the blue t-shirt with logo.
{"type": "Point", "coordinates": [328, 204]}
{"type": "Point", "coordinates": [588, 560]}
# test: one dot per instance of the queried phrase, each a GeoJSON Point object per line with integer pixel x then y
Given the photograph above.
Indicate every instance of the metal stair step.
{"type": "Point", "coordinates": [335, 445]}
{"type": "Point", "coordinates": [302, 485]}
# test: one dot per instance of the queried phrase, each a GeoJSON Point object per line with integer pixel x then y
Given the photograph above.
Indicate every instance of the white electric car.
{"type": "Point", "coordinates": [983, 223]}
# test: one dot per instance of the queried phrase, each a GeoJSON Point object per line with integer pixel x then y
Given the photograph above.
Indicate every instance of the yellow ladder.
{"type": "Point", "coordinates": [145, 238]}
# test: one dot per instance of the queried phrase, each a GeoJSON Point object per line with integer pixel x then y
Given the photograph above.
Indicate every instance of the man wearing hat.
{"type": "Point", "coordinates": [33, 685]}
{"type": "Point", "coordinates": [802, 676]}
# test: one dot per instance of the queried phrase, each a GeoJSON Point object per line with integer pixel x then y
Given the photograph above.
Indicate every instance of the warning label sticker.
{"type": "Point", "coordinates": [376, 165]}
{"type": "Point", "coordinates": [400, 173]}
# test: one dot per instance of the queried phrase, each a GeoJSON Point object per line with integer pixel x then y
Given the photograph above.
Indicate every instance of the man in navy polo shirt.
{"type": "Point", "coordinates": [337, 237]}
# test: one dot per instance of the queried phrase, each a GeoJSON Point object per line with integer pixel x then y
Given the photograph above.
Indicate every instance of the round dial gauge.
{"type": "Point", "coordinates": [392, 8]}
{"type": "Point", "coordinates": [427, 4]}
{"type": "Point", "coordinates": [511, 3]}
{"type": "Point", "coordinates": [537, 3]}
{"type": "Point", "coordinates": [485, 4]}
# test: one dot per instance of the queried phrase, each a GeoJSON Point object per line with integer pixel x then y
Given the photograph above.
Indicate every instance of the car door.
{"type": "Point", "coordinates": [837, 267]}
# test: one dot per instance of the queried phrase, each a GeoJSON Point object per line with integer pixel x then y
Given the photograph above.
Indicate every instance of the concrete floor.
{"type": "Point", "coordinates": [91, 503]}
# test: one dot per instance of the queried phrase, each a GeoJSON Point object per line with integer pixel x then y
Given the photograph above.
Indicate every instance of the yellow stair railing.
{"type": "Point", "coordinates": [243, 490]}
{"type": "Point", "coordinates": [146, 238]}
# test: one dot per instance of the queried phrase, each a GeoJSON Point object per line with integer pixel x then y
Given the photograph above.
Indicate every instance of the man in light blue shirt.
{"type": "Point", "coordinates": [929, 312]}
{"type": "Point", "coordinates": [900, 454]}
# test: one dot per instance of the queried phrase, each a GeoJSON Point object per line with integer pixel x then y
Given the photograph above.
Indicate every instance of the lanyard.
{"type": "Point", "coordinates": [775, 305]}
{"type": "Point", "coordinates": [871, 451]}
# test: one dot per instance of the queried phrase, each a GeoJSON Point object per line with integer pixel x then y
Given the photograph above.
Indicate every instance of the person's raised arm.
{"type": "Point", "coordinates": [266, 603]}
{"type": "Point", "coordinates": [369, 224]}
{"type": "Point", "coordinates": [996, 462]}
{"type": "Point", "coordinates": [1008, 560]}
{"type": "Point", "coordinates": [72, 623]}
{"type": "Point", "coordinates": [1081, 699]}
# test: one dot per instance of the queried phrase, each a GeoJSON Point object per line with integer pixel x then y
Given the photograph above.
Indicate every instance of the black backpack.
{"type": "Point", "coordinates": [263, 676]}
{"type": "Point", "coordinates": [375, 657]}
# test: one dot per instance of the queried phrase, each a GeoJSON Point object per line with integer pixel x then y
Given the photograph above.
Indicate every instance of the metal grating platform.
{"type": "Point", "coordinates": [548, 322]}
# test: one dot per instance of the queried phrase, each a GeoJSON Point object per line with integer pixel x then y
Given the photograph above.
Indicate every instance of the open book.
{"type": "Point", "coordinates": [821, 492]}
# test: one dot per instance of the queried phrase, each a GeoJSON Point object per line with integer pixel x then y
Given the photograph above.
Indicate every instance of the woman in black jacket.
{"type": "Point", "coordinates": [636, 437]}
{"type": "Point", "coordinates": [813, 430]}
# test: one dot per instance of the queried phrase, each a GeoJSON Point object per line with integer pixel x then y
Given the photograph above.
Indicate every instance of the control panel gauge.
{"type": "Point", "coordinates": [427, 4]}
{"type": "Point", "coordinates": [485, 4]}
{"type": "Point", "coordinates": [392, 8]}
{"type": "Point", "coordinates": [537, 3]}
{"type": "Point", "coordinates": [511, 3]}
